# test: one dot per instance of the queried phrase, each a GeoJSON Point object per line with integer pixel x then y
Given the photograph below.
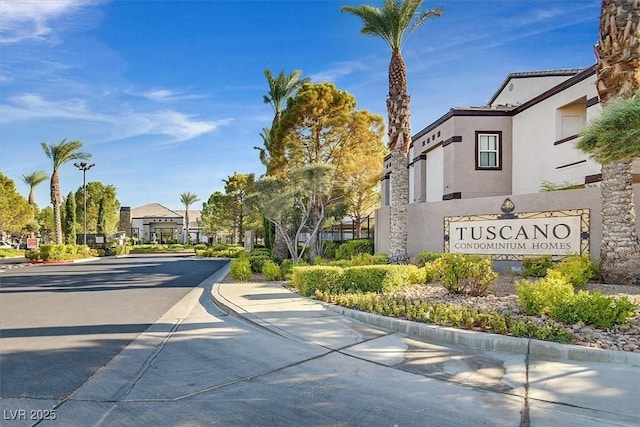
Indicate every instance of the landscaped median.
{"type": "Point", "coordinates": [549, 308]}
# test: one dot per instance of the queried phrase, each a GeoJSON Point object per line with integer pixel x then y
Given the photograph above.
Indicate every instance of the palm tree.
{"type": "Point", "coordinates": [618, 55]}
{"type": "Point", "coordinates": [33, 180]}
{"type": "Point", "coordinates": [393, 23]}
{"type": "Point", "coordinates": [266, 149]}
{"type": "Point", "coordinates": [61, 153]}
{"type": "Point", "coordinates": [187, 200]}
{"type": "Point", "coordinates": [280, 90]}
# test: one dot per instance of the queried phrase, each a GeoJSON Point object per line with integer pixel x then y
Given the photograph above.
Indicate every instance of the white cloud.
{"type": "Point", "coordinates": [31, 19]}
{"type": "Point", "coordinates": [30, 106]}
{"type": "Point", "coordinates": [165, 95]}
{"type": "Point", "coordinates": [340, 70]}
{"type": "Point", "coordinates": [180, 126]}
{"type": "Point", "coordinates": [121, 125]}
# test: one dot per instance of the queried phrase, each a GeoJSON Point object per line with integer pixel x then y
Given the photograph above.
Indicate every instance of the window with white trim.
{"type": "Point", "coordinates": [488, 145]}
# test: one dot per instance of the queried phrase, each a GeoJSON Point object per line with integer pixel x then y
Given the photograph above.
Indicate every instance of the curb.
{"type": "Point", "coordinates": [70, 261]}
{"type": "Point", "coordinates": [470, 339]}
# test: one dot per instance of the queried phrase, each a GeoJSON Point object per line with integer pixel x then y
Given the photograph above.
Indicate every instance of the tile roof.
{"type": "Point", "coordinates": [155, 210]}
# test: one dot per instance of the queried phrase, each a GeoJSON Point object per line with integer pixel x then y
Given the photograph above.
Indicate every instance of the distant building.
{"type": "Point", "coordinates": [155, 223]}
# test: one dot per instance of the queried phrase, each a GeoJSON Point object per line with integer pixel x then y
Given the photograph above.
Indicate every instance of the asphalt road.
{"type": "Point", "coordinates": [59, 324]}
{"type": "Point", "coordinates": [134, 342]}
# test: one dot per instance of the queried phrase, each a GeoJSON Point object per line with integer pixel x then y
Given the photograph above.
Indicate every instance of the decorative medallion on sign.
{"type": "Point", "coordinates": [507, 209]}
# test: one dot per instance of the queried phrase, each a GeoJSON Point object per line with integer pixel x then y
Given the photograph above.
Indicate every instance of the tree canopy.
{"type": "Point", "coordinates": [96, 191]}
{"type": "Point", "coordinates": [321, 126]}
{"type": "Point", "coordinates": [15, 210]}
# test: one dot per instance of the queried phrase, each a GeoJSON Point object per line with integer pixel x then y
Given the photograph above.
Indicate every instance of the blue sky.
{"type": "Point", "coordinates": [167, 95]}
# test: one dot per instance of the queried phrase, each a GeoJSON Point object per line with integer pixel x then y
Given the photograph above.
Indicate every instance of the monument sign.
{"type": "Point", "coordinates": [514, 236]}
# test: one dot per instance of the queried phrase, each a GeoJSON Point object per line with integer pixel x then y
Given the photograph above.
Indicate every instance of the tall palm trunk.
{"type": "Point", "coordinates": [618, 70]}
{"type": "Point", "coordinates": [399, 139]}
{"type": "Point", "coordinates": [56, 201]}
{"type": "Point", "coordinates": [186, 219]}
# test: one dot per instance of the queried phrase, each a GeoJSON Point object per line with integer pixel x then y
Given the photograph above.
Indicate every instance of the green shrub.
{"type": "Point", "coordinates": [53, 252]}
{"type": "Point", "coordinates": [33, 254]}
{"type": "Point", "coordinates": [542, 296]}
{"type": "Point", "coordinates": [438, 313]}
{"type": "Point", "coordinates": [417, 275]}
{"type": "Point", "coordinates": [380, 278]}
{"type": "Point", "coordinates": [122, 250]}
{"type": "Point", "coordinates": [286, 268]}
{"type": "Point", "coordinates": [330, 248]}
{"type": "Point", "coordinates": [577, 269]}
{"type": "Point", "coordinates": [430, 272]}
{"type": "Point", "coordinates": [381, 258]}
{"type": "Point", "coordinates": [221, 251]}
{"type": "Point", "coordinates": [465, 274]}
{"type": "Point", "coordinates": [351, 248]}
{"type": "Point", "coordinates": [260, 251]}
{"type": "Point", "coordinates": [199, 247]}
{"type": "Point", "coordinates": [423, 258]}
{"type": "Point", "coordinates": [240, 269]}
{"type": "Point", "coordinates": [362, 259]}
{"type": "Point", "coordinates": [257, 262]}
{"type": "Point", "coordinates": [596, 309]}
{"type": "Point", "coordinates": [537, 266]}
{"type": "Point", "coordinates": [309, 278]}
{"type": "Point", "coordinates": [271, 271]}
{"type": "Point", "coordinates": [547, 332]}
{"type": "Point", "coordinates": [10, 252]}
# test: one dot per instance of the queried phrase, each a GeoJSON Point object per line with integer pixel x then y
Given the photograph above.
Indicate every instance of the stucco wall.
{"type": "Point", "coordinates": [464, 177]}
{"type": "Point", "coordinates": [522, 89]}
{"type": "Point", "coordinates": [426, 220]}
{"type": "Point", "coordinates": [535, 157]}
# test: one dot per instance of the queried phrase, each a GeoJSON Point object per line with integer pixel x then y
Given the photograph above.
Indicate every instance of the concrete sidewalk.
{"type": "Point", "coordinates": [561, 384]}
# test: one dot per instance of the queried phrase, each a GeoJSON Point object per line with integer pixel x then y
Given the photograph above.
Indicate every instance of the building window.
{"type": "Point", "coordinates": [489, 150]}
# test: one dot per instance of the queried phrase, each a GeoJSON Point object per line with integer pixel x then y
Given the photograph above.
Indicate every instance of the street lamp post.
{"type": "Point", "coordinates": [84, 167]}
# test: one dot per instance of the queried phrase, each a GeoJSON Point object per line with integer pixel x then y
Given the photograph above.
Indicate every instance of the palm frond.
{"type": "Point", "coordinates": [615, 135]}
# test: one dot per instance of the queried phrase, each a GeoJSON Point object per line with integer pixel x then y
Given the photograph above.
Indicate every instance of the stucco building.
{"type": "Point", "coordinates": [156, 223]}
{"type": "Point", "coordinates": [522, 141]}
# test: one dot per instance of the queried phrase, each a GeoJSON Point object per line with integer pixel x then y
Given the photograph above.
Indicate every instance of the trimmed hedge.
{"type": "Point", "coordinates": [366, 278]}
{"type": "Point", "coordinates": [309, 278]}
{"type": "Point", "coordinates": [53, 252]}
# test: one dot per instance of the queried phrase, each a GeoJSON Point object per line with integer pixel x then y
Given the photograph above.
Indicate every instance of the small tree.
{"type": "Point", "coordinates": [290, 205]}
{"type": "Point", "coordinates": [69, 219]}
